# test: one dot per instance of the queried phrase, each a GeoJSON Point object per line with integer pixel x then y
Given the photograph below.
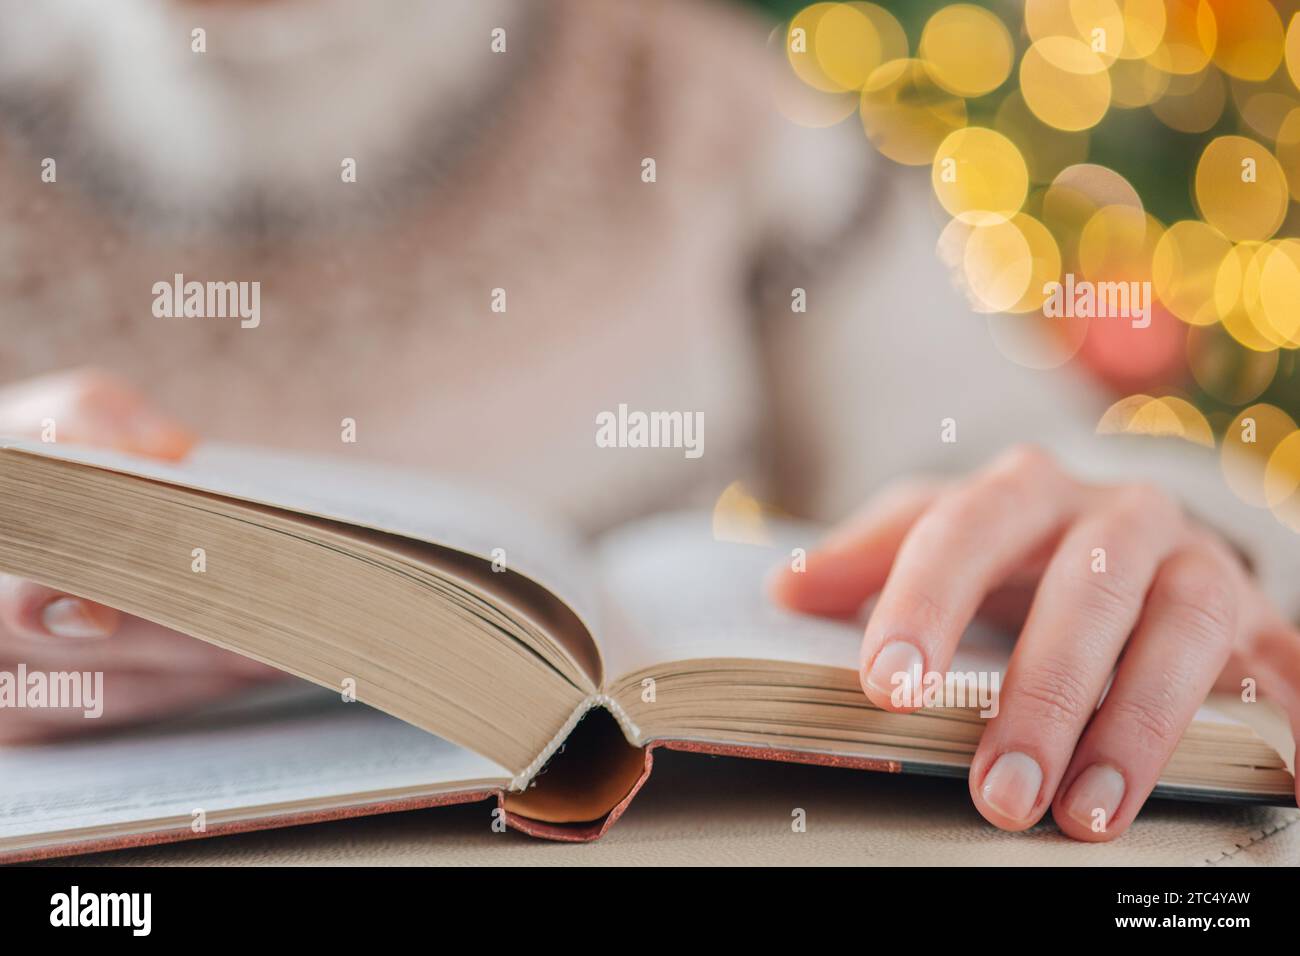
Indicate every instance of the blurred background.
{"type": "Point", "coordinates": [1153, 141]}
{"type": "Point", "coordinates": [856, 213]}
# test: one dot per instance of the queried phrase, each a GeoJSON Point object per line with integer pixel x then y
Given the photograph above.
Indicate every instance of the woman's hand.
{"type": "Point", "coordinates": [148, 670]}
{"type": "Point", "coordinates": [1102, 580]}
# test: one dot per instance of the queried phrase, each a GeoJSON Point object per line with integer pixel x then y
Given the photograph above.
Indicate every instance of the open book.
{"type": "Point", "coordinates": [469, 653]}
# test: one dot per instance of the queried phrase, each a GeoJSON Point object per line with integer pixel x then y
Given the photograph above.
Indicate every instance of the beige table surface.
{"type": "Point", "coordinates": [710, 810]}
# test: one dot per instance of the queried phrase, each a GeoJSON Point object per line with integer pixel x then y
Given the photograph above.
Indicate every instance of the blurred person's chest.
{"type": "Point", "coordinates": [480, 336]}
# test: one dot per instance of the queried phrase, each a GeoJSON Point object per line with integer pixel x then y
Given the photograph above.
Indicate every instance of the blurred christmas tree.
{"type": "Point", "coordinates": [1120, 177]}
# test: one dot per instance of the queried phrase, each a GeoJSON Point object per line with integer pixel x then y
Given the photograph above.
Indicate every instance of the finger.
{"type": "Point", "coordinates": [949, 561]}
{"type": "Point", "coordinates": [89, 407]}
{"type": "Point", "coordinates": [1181, 644]}
{"type": "Point", "coordinates": [1087, 604]}
{"type": "Point", "coordinates": [851, 563]}
{"type": "Point", "coordinates": [34, 613]}
{"type": "Point", "coordinates": [123, 698]}
{"type": "Point", "coordinates": [1269, 656]}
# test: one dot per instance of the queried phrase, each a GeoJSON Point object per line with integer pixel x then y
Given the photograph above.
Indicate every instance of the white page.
{"type": "Point", "coordinates": [299, 744]}
{"type": "Point", "coordinates": [372, 496]}
{"type": "Point", "coordinates": [682, 595]}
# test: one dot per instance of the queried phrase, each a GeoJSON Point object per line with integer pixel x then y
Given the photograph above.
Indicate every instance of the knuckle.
{"type": "Point", "coordinates": [994, 493]}
{"type": "Point", "coordinates": [957, 507]}
{"type": "Point", "coordinates": [1151, 718]}
{"type": "Point", "coordinates": [1025, 458]}
{"type": "Point", "coordinates": [919, 610]}
{"type": "Point", "coordinates": [1110, 596]}
{"type": "Point", "coordinates": [1198, 591]}
{"type": "Point", "coordinates": [1145, 502]}
{"type": "Point", "coordinates": [1050, 694]}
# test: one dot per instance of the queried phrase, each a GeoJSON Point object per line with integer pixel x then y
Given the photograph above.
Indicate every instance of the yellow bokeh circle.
{"type": "Point", "coordinates": [1241, 189]}
{"type": "Point", "coordinates": [1249, 38]}
{"type": "Point", "coordinates": [998, 263]}
{"type": "Point", "coordinates": [1117, 244]}
{"type": "Point", "coordinates": [979, 174]}
{"type": "Point", "coordinates": [1282, 481]}
{"type": "Point", "coordinates": [906, 115]}
{"type": "Point", "coordinates": [967, 50]}
{"type": "Point", "coordinates": [1190, 36]}
{"type": "Point", "coordinates": [1185, 267]}
{"type": "Point", "coordinates": [1248, 444]}
{"type": "Point", "coordinates": [1065, 83]}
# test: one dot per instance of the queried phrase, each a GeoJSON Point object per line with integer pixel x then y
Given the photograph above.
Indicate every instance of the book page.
{"type": "Point", "coordinates": [681, 594]}
{"type": "Point", "coordinates": [367, 495]}
{"type": "Point", "coordinates": [289, 745]}
{"type": "Point", "coordinates": [677, 593]}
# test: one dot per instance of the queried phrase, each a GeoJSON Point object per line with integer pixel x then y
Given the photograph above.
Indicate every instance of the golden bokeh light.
{"type": "Point", "coordinates": [1165, 417]}
{"type": "Point", "coordinates": [1236, 296]}
{"type": "Point", "coordinates": [1024, 209]}
{"type": "Point", "coordinates": [1185, 268]}
{"type": "Point", "coordinates": [967, 50]}
{"type": "Point", "coordinates": [1190, 36]}
{"type": "Point", "coordinates": [1248, 444]}
{"type": "Point", "coordinates": [1144, 27]}
{"type": "Point", "coordinates": [847, 47]}
{"type": "Point", "coordinates": [801, 47]}
{"type": "Point", "coordinates": [1099, 24]}
{"type": "Point", "coordinates": [835, 47]}
{"type": "Point", "coordinates": [1115, 420]}
{"type": "Point", "coordinates": [1249, 38]}
{"type": "Point", "coordinates": [1241, 189]}
{"type": "Point", "coordinates": [1292, 49]}
{"type": "Point", "coordinates": [906, 115]}
{"type": "Point", "coordinates": [1282, 481]}
{"type": "Point", "coordinates": [1045, 262]}
{"type": "Point", "coordinates": [979, 175]}
{"type": "Point", "coordinates": [796, 100]}
{"type": "Point", "coordinates": [1065, 83]}
{"type": "Point", "coordinates": [1288, 150]}
{"type": "Point", "coordinates": [1017, 254]}
{"type": "Point", "coordinates": [998, 263]}
{"type": "Point", "coordinates": [738, 517]}
{"type": "Point", "coordinates": [1074, 197]}
{"type": "Point", "coordinates": [889, 32]}
{"type": "Point", "coordinates": [1278, 314]}
{"type": "Point", "coordinates": [1117, 244]}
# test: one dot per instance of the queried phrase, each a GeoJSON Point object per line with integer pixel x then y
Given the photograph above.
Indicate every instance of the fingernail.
{"type": "Point", "coordinates": [1012, 784]}
{"type": "Point", "coordinates": [73, 617]}
{"type": "Point", "coordinates": [1100, 787]}
{"type": "Point", "coordinates": [894, 659]}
